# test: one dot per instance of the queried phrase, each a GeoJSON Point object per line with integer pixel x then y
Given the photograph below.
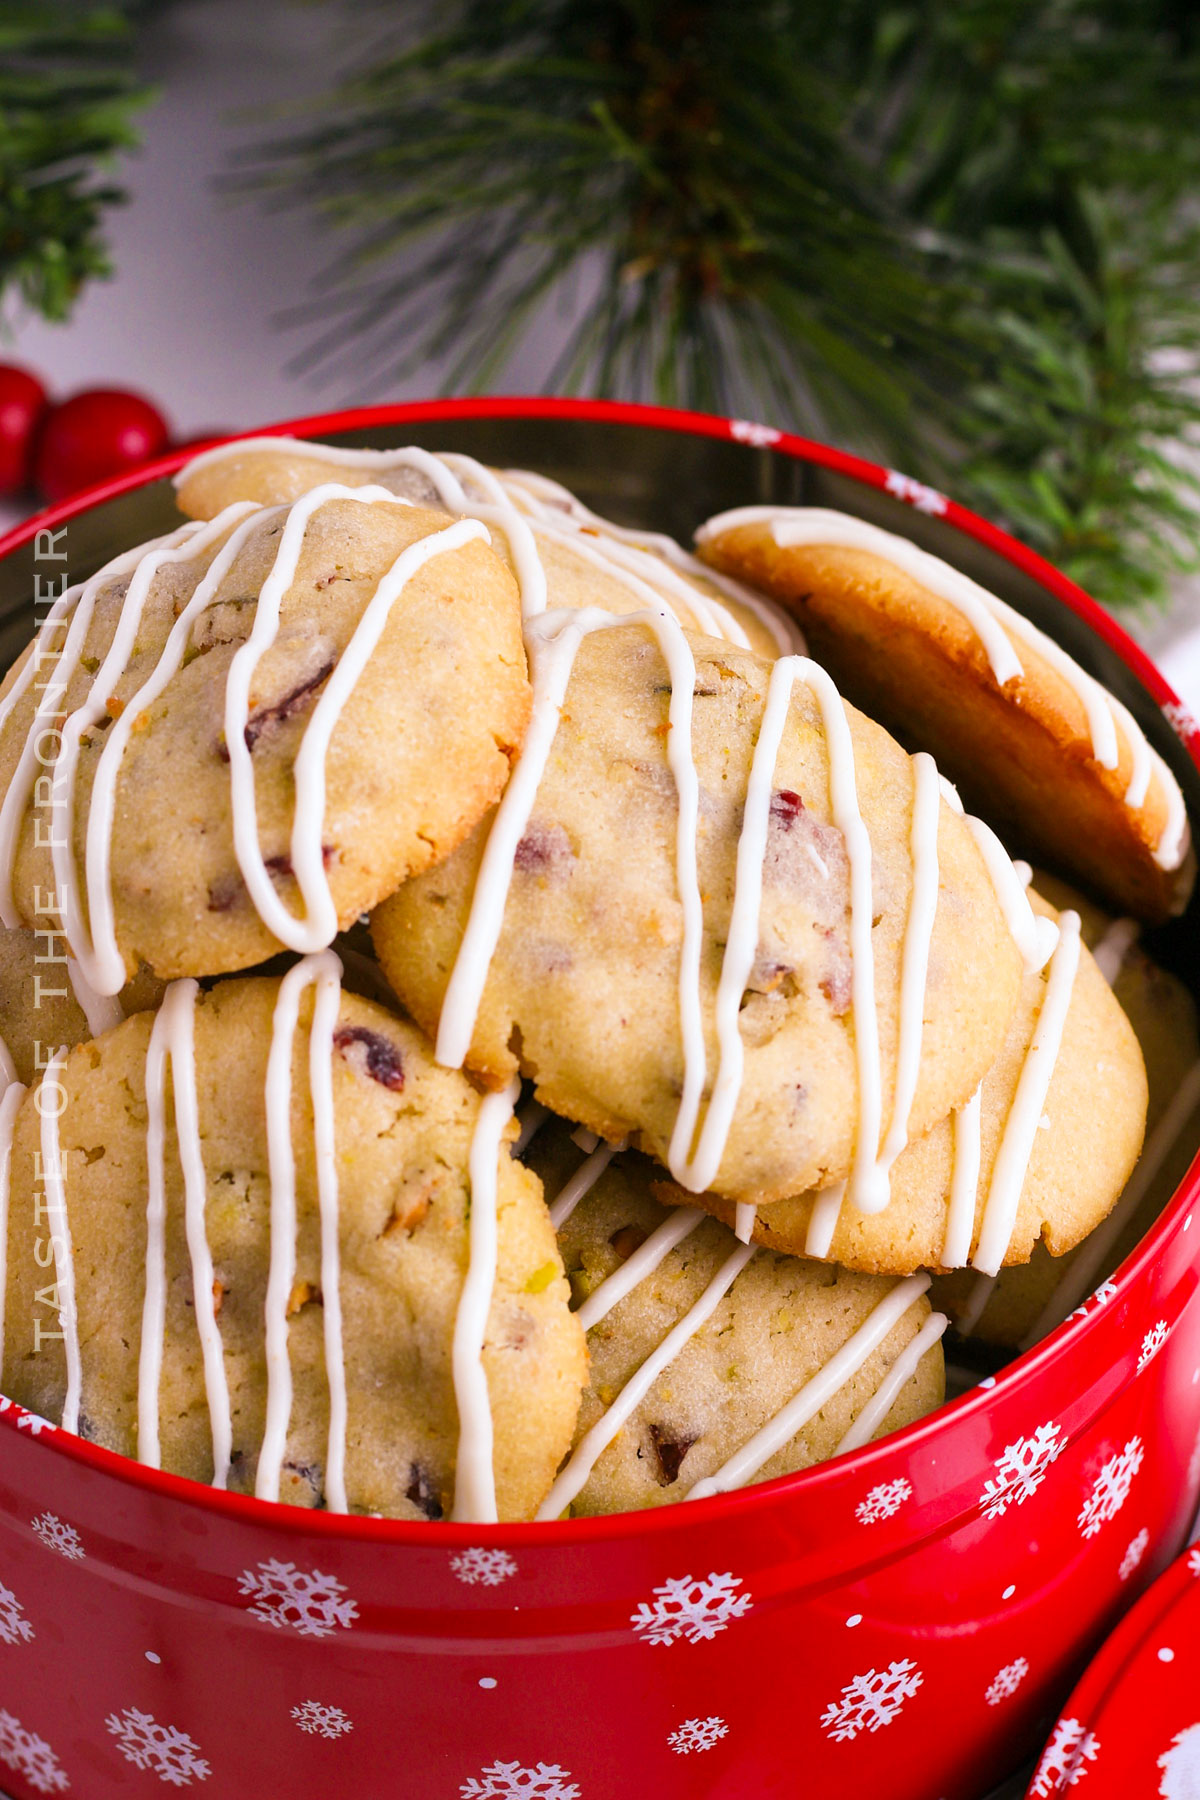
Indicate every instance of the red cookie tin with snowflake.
{"type": "Point", "coordinates": [1132, 1726]}
{"type": "Point", "coordinates": [903, 1621]}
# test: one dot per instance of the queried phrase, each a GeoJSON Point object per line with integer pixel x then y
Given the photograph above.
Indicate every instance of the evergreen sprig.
{"type": "Point", "coordinates": [68, 100]}
{"type": "Point", "coordinates": [957, 237]}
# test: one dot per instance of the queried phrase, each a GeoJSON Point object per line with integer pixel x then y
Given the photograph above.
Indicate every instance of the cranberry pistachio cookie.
{"type": "Point", "coordinates": [294, 1256]}
{"type": "Point", "coordinates": [714, 1363]}
{"type": "Point", "coordinates": [1033, 740]}
{"type": "Point", "coordinates": [1038, 1154]}
{"type": "Point", "coordinates": [244, 735]}
{"type": "Point", "coordinates": [562, 553]}
{"type": "Point", "coordinates": [709, 878]}
{"type": "Point", "coordinates": [1021, 1304]}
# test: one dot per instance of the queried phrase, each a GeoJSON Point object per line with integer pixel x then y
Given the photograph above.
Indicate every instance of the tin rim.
{"type": "Point", "coordinates": [1025, 1369]}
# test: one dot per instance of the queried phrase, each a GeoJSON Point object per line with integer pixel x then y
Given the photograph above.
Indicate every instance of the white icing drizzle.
{"type": "Point", "coordinates": [995, 624]}
{"type": "Point", "coordinates": [60, 1239]}
{"type": "Point", "coordinates": [327, 972]}
{"type": "Point", "coordinates": [549, 501]}
{"type": "Point", "coordinates": [474, 1480]}
{"type": "Point", "coordinates": [8, 1071]}
{"type": "Point", "coordinates": [1034, 935]}
{"type": "Point", "coordinates": [173, 1038]}
{"type": "Point", "coordinates": [1082, 1268]}
{"type": "Point", "coordinates": [745, 1463]}
{"type": "Point", "coordinates": [103, 1012]}
{"type": "Point", "coordinates": [918, 936]}
{"type": "Point", "coordinates": [101, 958]}
{"type": "Point", "coordinates": [10, 1105]}
{"type": "Point", "coordinates": [319, 924]}
{"type": "Point", "coordinates": [827, 1209]}
{"type": "Point", "coordinates": [322, 969]}
{"type": "Point", "coordinates": [744, 1218]}
{"type": "Point", "coordinates": [1029, 1102]}
{"type": "Point", "coordinates": [678, 1225]}
{"type": "Point", "coordinates": [964, 1182]}
{"type": "Point", "coordinates": [581, 1182]}
{"type": "Point", "coordinates": [93, 708]}
{"type": "Point", "coordinates": [80, 603]}
{"type": "Point", "coordinates": [902, 1370]}
{"type": "Point", "coordinates": [588, 1451]}
{"type": "Point", "coordinates": [552, 642]}
{"type": "Point", "coordinates": [1113, 948]}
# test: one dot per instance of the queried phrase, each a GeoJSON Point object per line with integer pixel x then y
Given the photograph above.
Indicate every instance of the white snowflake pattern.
{"type": "Point", "coordinates": [509, 1781]}
{"type": "Point", "coordinates": [31, 1756]}
{"type": "Point", "coordinates": [486, 1567]}
{"type": "Point", "coordinates": [1006, 1681]}
{"type": "Point", "coordinates": [1021, 1470]}
{"type": "Point", "coordinates": [1063, 1760]}
{"type": "Point", "coordinates": [304, 1600]}
{"type": "Point", "coordinates": [1110, 1490]}
{"type": "Point", "coordinates": [748, 431]}
{"type": "Point", "coordinates": [14, 1626]}
{"type": "Point", "coordinates": [1152, 1343]}
{"type": "Point", "coordinates": [685, 1608]}
{"type": "Point", "coordinates": [1101, 1295]}
{"type": "Point", "coordinates": [925, 499]}
{"type": "Point", "coordinates": [871, 1701]}
{"type": "Point", "coordinates": [322, 1721]}
{"type": "Point", "coordinates": [1134, 1552]}
{"type": "Point", "coordinates": [1181, 719]}
{"type": "Point", "coordinates": [1194, 1561]}
{"type": "Point", "coordinates": [696, 1735]}
{"type": "Point", "coordinates": [1180, 1764]}
{"type": "Point", "coordinates": [883, 1501]}
{"type": "Point", "coordinates": [56, 1534]}
{"type": "Point", "coordinates": [162, 1749]}
{"type": "Point", "coordinates": [34, 1424]}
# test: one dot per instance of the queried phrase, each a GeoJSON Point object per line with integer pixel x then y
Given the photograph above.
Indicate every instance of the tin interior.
{"type": "Point", "coordinates": [670, 480]}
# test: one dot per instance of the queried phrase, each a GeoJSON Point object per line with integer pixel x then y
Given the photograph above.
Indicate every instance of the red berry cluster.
{"type": "Point", "coordinates": [53, 449]}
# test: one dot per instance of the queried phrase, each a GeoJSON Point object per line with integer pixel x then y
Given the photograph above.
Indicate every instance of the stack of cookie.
{"type": "Point", "coordinates": [493, 1031]}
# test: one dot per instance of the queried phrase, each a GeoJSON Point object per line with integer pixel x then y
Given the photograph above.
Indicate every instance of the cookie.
{"type": "Point", "coordinates": [581, 935]}
{"type": "Point", "coordinates": [1022, 1304]}
{"type": "Point", "coordinates": [168, 1359]}
{"type": "Point", "coordinates": [1031, 738]}
{"type": "Point", "coordinates": [562, 553]}
{"type": "Point", "coordinates": [1040, 1157]}
{"type": "Point", "coordinates": [705, 1351]}
{"type": "Point", "coordinates": [44, 1002]}
{"type": "Point", "coordinates": [272, 720]}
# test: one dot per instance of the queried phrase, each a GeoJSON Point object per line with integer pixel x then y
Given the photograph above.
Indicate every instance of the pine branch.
{"type": "Point", "coordinates": [955, 237]}
{"type": "Point", "coordinates": [67, 105]}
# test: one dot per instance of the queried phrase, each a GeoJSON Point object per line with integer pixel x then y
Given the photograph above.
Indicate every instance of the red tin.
{"type": "Point", "coordinates": [902, 1622]}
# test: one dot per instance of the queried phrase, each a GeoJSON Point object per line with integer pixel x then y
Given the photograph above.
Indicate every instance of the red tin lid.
{"type": "Point", "coordinates": [1131, 1729]}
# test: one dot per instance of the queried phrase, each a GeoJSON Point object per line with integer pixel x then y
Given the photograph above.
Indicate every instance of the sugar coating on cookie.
{"type": "Point", "coordinates": [270, 721]}
{"type": "Point", "coordinates": [1039, 1155]}
{"type": "Point", "coordinates": [771, 1341]}
{"type": "Point", "coordinates": [1031, 737]}
{"type": "Point", "coordinates": [583, 933]}
{"type": "Point", "coordinates": [557, 546]}
{"type": "Point", "coordinates": [353, 1270]}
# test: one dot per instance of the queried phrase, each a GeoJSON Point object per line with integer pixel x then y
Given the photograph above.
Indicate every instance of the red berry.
{"type": "Point", "coordinates": [22, 403]}
{"type": "Point", "coordinates": [94, 435]}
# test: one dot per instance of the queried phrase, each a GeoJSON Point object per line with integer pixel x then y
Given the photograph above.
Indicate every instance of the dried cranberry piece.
{"type": "Point", "coordinates": [786, 808]}
{"type": "Point", "coordinates": [670, 1451]}
{"type": "Point", "coordinates": [383, 1060]}
{"type": "Point", "coordinates": [422, 1493]}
